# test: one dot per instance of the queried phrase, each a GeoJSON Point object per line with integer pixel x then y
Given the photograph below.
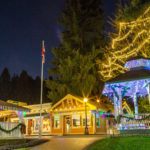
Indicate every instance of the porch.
{"type": "Point", "coordinates": [10, 129]}
{"type": "Point", "coordinates": [138, 124]}
{"type": "Point", "coordinates": [68, 117]}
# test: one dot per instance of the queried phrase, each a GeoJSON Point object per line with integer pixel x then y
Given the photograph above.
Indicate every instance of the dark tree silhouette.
{"type": "Point", "coordinates": [21, 88]}
{"type": "Point", "coordinates": [5, 85]}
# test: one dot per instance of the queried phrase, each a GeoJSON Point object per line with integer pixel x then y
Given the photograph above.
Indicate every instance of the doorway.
{"type": "Point", "coordinates": [30, 122]}
{"type": "Point", "coordinates": [67, 122]}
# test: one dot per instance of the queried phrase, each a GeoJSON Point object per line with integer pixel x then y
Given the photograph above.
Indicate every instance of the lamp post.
{"type": "Point", "coordinates": [86, 126]}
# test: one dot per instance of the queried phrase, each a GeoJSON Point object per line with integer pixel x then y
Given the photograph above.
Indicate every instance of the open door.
{"type": "Point", "coordinates": [29, 126]}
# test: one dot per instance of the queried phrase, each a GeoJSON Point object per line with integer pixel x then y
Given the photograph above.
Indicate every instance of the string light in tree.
{"type": "Point", "coordinates": [133, 40]}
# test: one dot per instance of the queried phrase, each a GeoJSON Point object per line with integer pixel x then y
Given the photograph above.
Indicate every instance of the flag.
{"type": "Point", "coordinates": [43, 53]}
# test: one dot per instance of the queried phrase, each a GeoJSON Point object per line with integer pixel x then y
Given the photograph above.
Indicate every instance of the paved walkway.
{"type": "Point", "coordinates": [68, 142]}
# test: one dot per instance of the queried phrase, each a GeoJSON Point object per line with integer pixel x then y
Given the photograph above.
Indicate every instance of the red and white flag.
{"type": "Point", "coordinates": [43, 53]}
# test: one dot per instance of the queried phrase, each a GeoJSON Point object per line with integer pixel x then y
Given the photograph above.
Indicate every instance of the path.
{"type": "Point", "coordinates": [68, 142]}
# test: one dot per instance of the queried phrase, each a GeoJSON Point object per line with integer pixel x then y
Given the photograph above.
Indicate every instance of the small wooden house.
{"type": "Point", "coordinates": [9, 129]}
{"type": "Point", "coordinates": [68, 116]}
{"type": "Point", "coordinates": [32, 119]}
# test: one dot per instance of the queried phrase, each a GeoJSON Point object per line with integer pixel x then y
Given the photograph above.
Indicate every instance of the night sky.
{"type": "Point", "coordinates": [23, 26]}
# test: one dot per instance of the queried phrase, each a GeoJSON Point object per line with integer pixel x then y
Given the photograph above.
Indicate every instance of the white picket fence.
{"type": "Point", "coordinates": [8, 126]}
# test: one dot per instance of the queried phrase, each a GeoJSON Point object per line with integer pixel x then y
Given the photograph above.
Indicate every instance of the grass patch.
{"type": "Point", "coordinates": [21, 144]}
{"type": "Point", "coordinates": [12, 141]}
{"type": "Point", "coordinates": [27, 148]}
{"type": "Point", "coordinates": [122, 143]}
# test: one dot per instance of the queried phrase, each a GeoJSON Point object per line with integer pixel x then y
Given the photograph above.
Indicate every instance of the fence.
{"type": "Point", "coordinates": [139, 124]}
{"type": "Point", "coordinates": [7, 126]}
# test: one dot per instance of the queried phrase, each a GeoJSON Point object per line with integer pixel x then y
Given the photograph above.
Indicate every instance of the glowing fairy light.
{"type": "Point", "coordinates": [133, 39]}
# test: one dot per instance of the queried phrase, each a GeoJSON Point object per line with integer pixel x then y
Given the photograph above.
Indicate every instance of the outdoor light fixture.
{"type": "Point", "coordinates": [85, 100]}
{"type": "Point", "coordinates": [97, 100]}
{"type": "Point", "coordinates": [86, 126]}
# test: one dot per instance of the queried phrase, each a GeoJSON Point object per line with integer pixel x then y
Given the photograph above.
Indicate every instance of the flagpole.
{"type": "Point", "coordinates": [41, 99]}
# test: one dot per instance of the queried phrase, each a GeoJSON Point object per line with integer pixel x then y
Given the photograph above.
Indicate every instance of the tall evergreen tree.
{"type": "Point", "coordinates": [143, 104]}
{"type": "Point", "coordinates": [129, 39]}
{"type": "Point", "coordinates": [14, 87]}
{"type": "Point", "coordinates": [36, 90]}
{"type": "Point", "coordinates": [131, 9]}
{"type": "Point", "coordinates": [5, 85]}
{"type": "Point", "coordinates": [74, 62]}
{"type": "Point", "coordinates": [24, 88]}
{"type": "Point", "coordinates": [83, 21]}
{"type": "Point", "coordinates": [21, 88]}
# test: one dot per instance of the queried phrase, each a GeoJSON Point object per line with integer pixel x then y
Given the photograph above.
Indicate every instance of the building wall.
{"type": "Point", "coordinates": [60, 127]}
{"type": "Point", "coordinates": [101, 125]}
{"type": "Point", "coordinates": [97, 125]}
{"type": "Point", "coordinates": [32, 125]}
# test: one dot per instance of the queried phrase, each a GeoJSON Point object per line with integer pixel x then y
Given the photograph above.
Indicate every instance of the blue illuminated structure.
{"type": "Point", "coordinates": [138, 64]}
{"type": "Point", "coordinates": [134, 83]}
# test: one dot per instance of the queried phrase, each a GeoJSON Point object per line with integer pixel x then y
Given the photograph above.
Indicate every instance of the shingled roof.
{"type": "Point", "coordinates": [131, 75]}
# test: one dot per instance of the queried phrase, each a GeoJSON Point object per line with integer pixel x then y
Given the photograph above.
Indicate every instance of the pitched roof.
{"type": "Point", "coordinates": [92, 103]}
{"type": "Point", "coordinates": [12, 106]}
{"type": "Point", "coordinates": [68, 96]}
{"type": "Point", "coordinates": [131, 75]}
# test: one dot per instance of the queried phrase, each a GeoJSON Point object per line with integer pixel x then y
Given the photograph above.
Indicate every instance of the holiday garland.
{"type": "Point", "coordinates": [109, 116]}
{"type": "Point", "coordinates": [131, 118]}
{"type": "Point", "coordinates": [20, 125]}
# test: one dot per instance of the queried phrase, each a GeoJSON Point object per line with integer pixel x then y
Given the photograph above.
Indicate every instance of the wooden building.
{"type": "Point", "coordinates": [68, 116]}
{"type": "Point", "coordinates": [32, 119]}
{"type": "Point", "coordinates": [9, 110]}
{"type": "Point", "coordinates": [9, 129]}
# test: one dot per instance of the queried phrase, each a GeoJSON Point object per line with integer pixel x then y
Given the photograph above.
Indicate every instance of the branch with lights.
{"type": "Point", "coordinates": [133, 39]}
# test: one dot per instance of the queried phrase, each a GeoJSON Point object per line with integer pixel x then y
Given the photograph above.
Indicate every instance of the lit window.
{"type": "Point", "coordinates": [36, 124]}
{"type": "Point", "coordinates": [98, 122]}
{"type": "Point", "coordinates": [46, 125]}
{"type": "Point", "coordinates": [88, 120]}
{"type": "Point", "coordinates": [76, 120]}
{"type": "Point", "coordinates": [56, 121]}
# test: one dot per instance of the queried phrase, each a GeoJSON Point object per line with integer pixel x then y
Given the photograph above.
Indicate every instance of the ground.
{"type": "Point", "coordinates": [95, 142]}
{"type": "Point", "coordinates": [122, 143]}
{"type": "Point", "coordinates": [67, 142]}
{"type": "Point", "coordinates": [17, 143]}
{"type": "Point", "coordinates": [12, 141]}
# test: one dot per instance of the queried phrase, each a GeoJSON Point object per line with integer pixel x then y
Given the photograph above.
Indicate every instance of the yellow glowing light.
{"type": "Point", "coordinates": [85, 100]}
{"type": "Point", "coordinates": [98, 100]}
{"type": "Point", "coordinates": [132, 38]}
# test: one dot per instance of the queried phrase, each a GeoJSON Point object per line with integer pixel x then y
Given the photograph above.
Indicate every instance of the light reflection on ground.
{"type": "Point", "coordinates": [68, 142]}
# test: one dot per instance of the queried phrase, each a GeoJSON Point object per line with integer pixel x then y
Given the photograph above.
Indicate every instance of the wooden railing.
{"type": "Point", "coordinates": [140, 121]}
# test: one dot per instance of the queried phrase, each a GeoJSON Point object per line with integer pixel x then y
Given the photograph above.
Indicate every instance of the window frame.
{"type": "Point", "coordinates": [88, 116]}
{"type": "Point", "coordinates": [58, 119]}
{"type": "Point", "coordinates": [79, 121]}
